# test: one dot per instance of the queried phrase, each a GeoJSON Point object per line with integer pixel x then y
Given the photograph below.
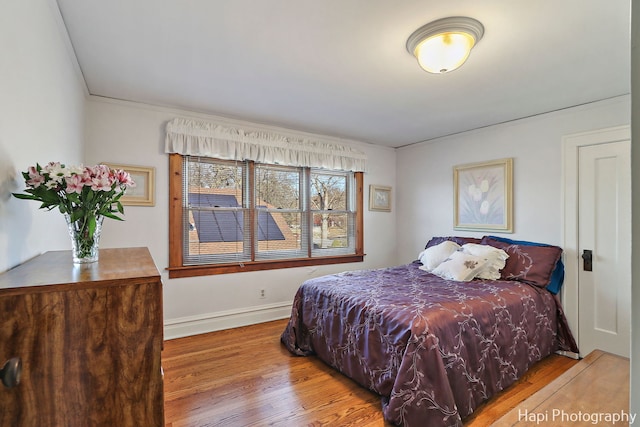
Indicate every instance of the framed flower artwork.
{"type": "Point", "coordinates": [379, 198]}
{"type": "Point", "coordinates": [143, 194]}
{"type": "Point", "coordinates": [483, 196]}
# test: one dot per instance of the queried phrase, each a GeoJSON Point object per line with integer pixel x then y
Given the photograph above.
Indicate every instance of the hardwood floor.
{"type": "Point", "coordinates": [245, 377]}
{"type": "Point", "coordinates": [574, 391]}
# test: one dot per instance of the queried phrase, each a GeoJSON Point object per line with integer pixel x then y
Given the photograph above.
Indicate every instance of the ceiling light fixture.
{"type": "Point", "coordinates": [444, 45]}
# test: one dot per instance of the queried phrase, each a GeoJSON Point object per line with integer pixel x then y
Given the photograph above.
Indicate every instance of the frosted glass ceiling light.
{"type": "Point", "coordinates": [443, 45]}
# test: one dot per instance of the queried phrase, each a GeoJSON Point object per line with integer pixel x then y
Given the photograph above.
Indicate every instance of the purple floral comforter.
{"type": "Point", "coordinates": [433, 349]}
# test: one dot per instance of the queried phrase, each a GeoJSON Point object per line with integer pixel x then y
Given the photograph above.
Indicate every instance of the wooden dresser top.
{"type": "Point", "coordinates": [52, 271]}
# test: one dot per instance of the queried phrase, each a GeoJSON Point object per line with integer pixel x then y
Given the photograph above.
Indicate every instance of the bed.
{"type": "Point", "coordinates": [433, 348]}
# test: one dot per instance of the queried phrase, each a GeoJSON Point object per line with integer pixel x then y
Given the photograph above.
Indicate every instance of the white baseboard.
{"type": "Point", "coordinates": [194, 325]}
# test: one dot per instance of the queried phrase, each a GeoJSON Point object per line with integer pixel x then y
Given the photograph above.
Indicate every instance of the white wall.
{"type": "Point", "coordinates": [133, 134]}
{"type": "Point", "coordinates": [41, 120]}
{"type": "Point", "coordinates": [635, 209]}
{"type": "Point", "coordinates": [425, 173]}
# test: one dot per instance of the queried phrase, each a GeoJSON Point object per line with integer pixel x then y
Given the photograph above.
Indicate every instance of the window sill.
{"type": "Point", "coordinates": [212, 269]}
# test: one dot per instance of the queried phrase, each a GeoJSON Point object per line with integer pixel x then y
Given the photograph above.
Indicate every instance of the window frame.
{"type": "Point", "coordinates": [178, 270]}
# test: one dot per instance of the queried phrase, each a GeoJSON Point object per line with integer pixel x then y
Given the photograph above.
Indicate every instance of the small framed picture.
{"type": "Point", "coordinates": [143, 194]}
{"type": "Point", "coordinates": [483, 196]}
{"type": "Point", "coordinates": [379, 198]}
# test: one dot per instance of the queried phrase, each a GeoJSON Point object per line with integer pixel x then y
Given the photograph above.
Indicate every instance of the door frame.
{"type": "Point", "coordinates": [570, 146]}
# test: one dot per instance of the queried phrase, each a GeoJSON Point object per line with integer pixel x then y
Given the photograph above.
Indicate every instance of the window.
{"type": "Point", "coordinates": [231, 216]}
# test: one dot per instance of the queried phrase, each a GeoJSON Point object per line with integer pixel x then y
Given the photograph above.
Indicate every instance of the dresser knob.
{"type": "Point", "coordinates": [10, 372]}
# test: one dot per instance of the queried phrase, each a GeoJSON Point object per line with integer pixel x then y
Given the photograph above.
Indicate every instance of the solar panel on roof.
{"type": "Point", "coordinates": [267, 227]}
{"type": "Point", "coordinates": [227, 226]}
{"type": "Point", "coordinates": [213, 200]}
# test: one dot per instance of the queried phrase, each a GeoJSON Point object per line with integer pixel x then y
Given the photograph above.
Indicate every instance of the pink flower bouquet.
{"type": "Point", "coordinates": [85, 195]}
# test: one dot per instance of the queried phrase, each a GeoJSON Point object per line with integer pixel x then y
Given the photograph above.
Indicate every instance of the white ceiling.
{"type": "Point", "coordinates": [340, 67]}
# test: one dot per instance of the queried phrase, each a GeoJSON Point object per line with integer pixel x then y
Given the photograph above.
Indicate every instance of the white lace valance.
{"type": "Point", "coordinates": [200, 138]}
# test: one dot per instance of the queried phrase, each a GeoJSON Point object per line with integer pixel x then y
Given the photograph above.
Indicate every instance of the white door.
{"type": "Point", "coordinates": [604, 229]}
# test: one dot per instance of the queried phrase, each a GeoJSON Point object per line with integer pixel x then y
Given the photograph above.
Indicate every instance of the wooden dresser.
{"type": "Point", "coordinates": [90, 338]}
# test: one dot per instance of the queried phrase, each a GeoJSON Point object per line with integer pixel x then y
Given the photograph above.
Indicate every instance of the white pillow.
{"type": "Point", "coordinates": [460, 266]}
{"type": "Point", "coordinates": [495, 259]}
{"type": "Point", "coordinates": [484, 250]}
{"type": "Point", "coordinates": [434, 255]}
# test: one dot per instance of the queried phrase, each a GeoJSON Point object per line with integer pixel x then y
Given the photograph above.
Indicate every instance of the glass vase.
{"type": "Point", "coordinates": [85, 238]}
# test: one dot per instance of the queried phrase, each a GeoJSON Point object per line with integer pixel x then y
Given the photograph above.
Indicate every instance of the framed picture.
{"type": "Point", "coordinates": [379, 198]}
{"type": "Point", "coordinates": [483, 196]}
{"type": "Point", "coordinates": [143, 194]}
